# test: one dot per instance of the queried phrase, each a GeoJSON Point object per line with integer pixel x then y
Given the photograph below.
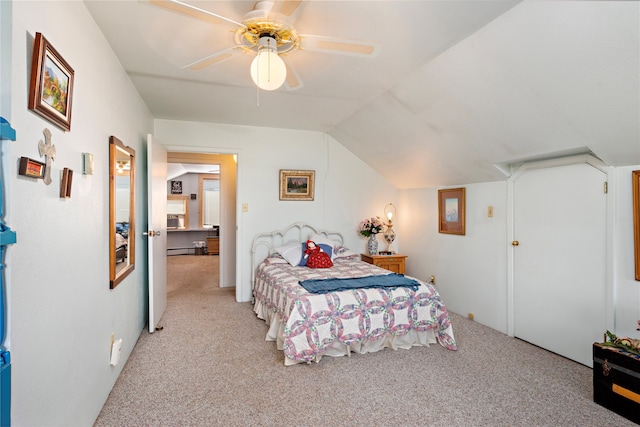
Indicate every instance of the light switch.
{"type": "Point", "coordinates": [490, 211]}
{"type": "Point", "coordinates": [87, 164]}
{"type": "Point", "coordinates": [245, 207]}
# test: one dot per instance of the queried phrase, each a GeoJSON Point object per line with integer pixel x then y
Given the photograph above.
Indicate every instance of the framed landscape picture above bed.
{"type": "Point", "coordinates": [451, 213]}
{"type": "Point", "coordinates": [297, 184]}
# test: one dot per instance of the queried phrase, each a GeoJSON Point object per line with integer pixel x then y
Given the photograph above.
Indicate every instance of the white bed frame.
{"type": "Point", "coordinates": [265, 244]}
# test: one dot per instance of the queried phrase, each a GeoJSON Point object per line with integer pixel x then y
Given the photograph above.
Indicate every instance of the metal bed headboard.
{"type": "Point", "coordinates": [264, 244]}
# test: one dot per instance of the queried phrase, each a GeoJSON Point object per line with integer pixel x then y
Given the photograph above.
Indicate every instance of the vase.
{"type": "Point", "coordinates": [372, 244]}
{"type": "Point", "coordinates": [389, 236]}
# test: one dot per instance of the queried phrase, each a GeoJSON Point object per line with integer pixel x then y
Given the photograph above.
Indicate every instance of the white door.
{"type": "Point", "coordinates": [560, 259]}
{"type": "Point", "coordinates": [157, 230]}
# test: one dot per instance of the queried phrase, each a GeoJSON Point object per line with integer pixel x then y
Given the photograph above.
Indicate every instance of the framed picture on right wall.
{"type": "Point", "coordinates": [451, 211]}
{"type": "Point", "coordinates": [635, 186]}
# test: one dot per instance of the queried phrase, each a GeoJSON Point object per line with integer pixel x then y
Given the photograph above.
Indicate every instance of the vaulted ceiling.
{"type": "Point", "coordinates": [458, 91]}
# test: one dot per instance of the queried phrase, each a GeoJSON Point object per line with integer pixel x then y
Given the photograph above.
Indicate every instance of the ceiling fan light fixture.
{"type": "Point", "coordinates": [268, 70]}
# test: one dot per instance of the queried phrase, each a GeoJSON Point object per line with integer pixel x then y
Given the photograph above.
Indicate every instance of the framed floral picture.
{"type": "Point", "coordinates": [297, 184]}
{"type": "Point", "coordinates": [451, 211]}
{"type": "Point", "coordinates": [51, 86]}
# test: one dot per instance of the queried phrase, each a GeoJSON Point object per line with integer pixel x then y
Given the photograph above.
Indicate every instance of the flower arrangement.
{"type": "Point", "coordinates": [370, 226]}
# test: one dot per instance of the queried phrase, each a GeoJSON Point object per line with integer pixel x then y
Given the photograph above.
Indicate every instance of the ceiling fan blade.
{"type": "Point", "coordinates": [193, 11]}
{"type": "Point", "coordinates": [223, 55]}
{"type": "Point", "coordinates": [339, 46]}
{"type": "Point", "coordinates": [293, 80]}
{"type": "Point", "coordinates": [284, 8]}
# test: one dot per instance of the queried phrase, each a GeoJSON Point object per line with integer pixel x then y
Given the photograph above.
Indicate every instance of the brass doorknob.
{"type": "Point", "coordinates": [515, 243]}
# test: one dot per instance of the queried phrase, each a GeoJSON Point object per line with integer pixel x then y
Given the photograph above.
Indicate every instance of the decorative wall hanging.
{"type": "Point", "coordinates": [48, 151]}
{"type": "Point", "coordinates": [635, 176]}
{"type": "Point", "coordinates": [31, 168]}
{"type": "Point", "coordinates": [51, 88]}
{"type": "Point", "coordinates": [297, 184]}
{"type": "Point", "coordinates": [176, 187]}
{"type": "Point", "coordinates": [65, 183]}
{"type": "Point", "coordinates": [451, 211]}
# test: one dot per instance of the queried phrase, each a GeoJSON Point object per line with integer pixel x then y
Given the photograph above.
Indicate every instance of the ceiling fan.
{"type": "Point", "coordinates": [268, 32]}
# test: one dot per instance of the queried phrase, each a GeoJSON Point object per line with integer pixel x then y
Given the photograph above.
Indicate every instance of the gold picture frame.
{"type": "Point", "coordinates": [297, 184]}
{"type": "Point", "coordinates": [451, 211]}
{"type": "Point", "coordinates": [51, 86]}
{"type": "Point", "coordinates": [635, 188]}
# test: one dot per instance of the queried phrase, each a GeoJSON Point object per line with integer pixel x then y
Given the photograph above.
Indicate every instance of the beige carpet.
{"type": "Point", "coordinates": [197, 372]}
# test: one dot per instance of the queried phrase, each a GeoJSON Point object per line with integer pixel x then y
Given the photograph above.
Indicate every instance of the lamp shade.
{"type": "Point", "coordinates": [268, 70]}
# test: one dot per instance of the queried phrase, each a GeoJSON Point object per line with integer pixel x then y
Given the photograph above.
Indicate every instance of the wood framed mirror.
{"type": "Point", "coordinates": [121, 211]}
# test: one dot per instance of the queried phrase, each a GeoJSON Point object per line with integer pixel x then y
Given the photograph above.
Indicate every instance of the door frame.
{"type": "Point", "coordinates": [238, 244]}
{"type": "Point", "coordinates": [558, 162]}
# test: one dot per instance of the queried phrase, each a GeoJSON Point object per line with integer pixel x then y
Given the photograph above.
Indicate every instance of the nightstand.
{"type": "Point", "coordinates": [395, 263]}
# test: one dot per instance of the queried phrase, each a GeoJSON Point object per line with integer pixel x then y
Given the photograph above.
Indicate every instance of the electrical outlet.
{"type": "Point", "coordinates": [470, 316]}
{"type": "Point", "coordinates": [116, 348]}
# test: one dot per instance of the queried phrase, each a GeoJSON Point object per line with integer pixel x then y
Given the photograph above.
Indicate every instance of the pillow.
{"type": "Point", "coordinates": [292, 252]}
{"type": "Point", "coordinates": [322, 239]}
{"type": "Point", "coordinates": [324, 247]}
{"type": "Point", "coordinates": [342, 252]}
{"type": "Point", "coordinates": [275, 259]}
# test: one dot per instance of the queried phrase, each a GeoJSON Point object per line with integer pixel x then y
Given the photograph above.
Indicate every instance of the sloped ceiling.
{"type": "Point", "coordinates": [459, 88]}
{"type": "Point", "coordinates": [544, 79]}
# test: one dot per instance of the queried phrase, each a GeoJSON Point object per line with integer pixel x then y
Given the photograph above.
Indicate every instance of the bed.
{"type": "Point", "coordinates": [121, 247]}
{"type": "Point", "coordinates": [307, 326]}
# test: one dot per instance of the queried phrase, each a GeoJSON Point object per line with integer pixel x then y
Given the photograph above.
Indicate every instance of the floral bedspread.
{"type": "Point", "coordinates": [312, 322]}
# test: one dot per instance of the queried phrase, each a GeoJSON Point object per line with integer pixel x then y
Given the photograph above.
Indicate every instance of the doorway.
{"type": "Point", "coordinates": [208, 183]}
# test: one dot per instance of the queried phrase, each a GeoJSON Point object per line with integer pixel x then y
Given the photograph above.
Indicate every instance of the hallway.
{"type": "Point", "coordinates": [192, 272]}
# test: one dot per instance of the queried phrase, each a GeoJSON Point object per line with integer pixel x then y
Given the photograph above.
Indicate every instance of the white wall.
{"type": "Point", "coordinates": [61, 310]}
{"type": "Point", "coordinates": [346, 189]}
{"type": "Point", "coordinates": [471, 270]}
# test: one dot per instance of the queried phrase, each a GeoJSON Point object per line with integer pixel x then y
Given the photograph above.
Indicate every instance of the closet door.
{"type": "Point", "coordinates": [559, 288]}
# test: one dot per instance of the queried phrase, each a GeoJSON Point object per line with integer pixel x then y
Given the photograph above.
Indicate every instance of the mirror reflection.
{"type": "Point", "coordinates": [121, 211]}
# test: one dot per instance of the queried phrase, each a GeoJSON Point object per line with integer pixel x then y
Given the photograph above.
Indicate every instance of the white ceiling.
{"type": "Point", "coordinates": [458, 88]}
{"type": "Point", "coordinates": [175, 170]}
